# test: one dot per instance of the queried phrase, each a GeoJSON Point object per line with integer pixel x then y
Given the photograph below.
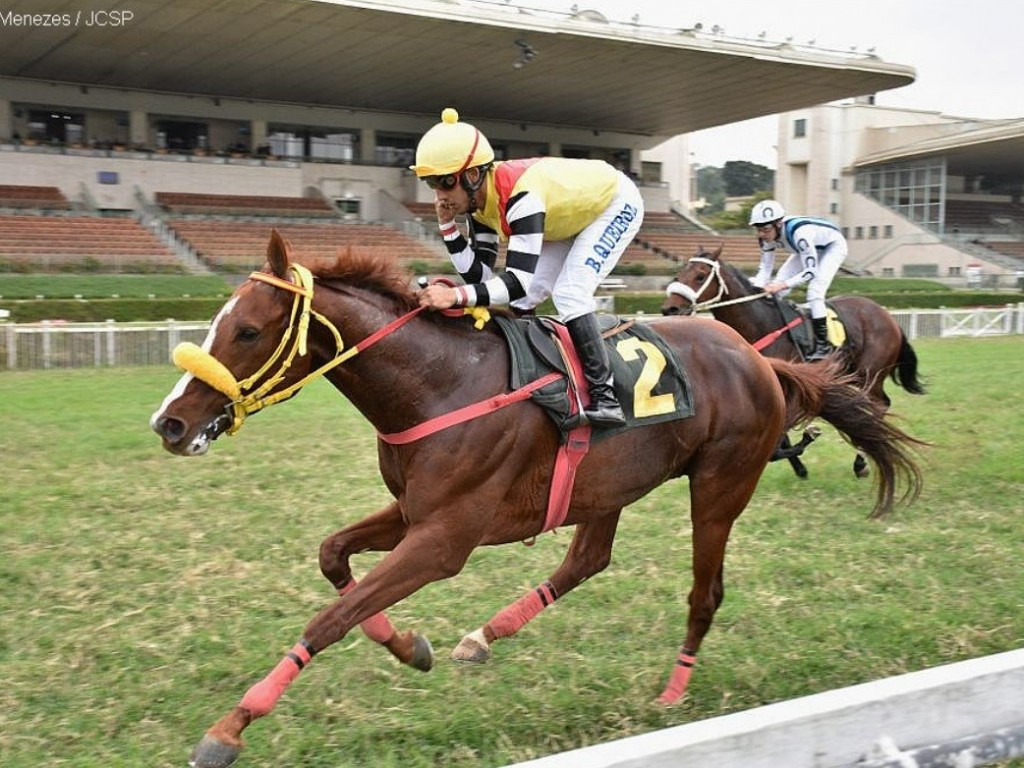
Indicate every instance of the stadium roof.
{"type": "Point", "coordinates": [417, 57]}
{"type": "Point", "coordinates": [991, 148]}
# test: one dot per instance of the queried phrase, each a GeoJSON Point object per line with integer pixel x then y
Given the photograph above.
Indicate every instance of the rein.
{"type": "Point", "coordinates": [691, 295]}
{"type": "Point", "coordinates": [247, 398]}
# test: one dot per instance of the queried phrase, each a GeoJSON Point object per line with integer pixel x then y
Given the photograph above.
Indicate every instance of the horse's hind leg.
{"type": "Point", "coordinates": [589, 553]}
{"type": "Point", "coordinates": [378, 532]}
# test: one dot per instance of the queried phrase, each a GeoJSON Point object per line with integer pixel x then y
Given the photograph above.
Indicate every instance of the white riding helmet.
{"type": "Point", "coordinates": [766, 212]}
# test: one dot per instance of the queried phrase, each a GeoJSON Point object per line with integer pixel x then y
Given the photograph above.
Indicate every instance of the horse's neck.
{"type": "Point", "coordinates": [751, 319]}
{"type": "Point", "coordinates": [418, 371]}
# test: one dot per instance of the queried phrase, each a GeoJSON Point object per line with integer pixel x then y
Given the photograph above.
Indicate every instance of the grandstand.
{"type": "Point", "coordinates": [239, 245]}
{"type": "Point", "coordinates": [275, 145]}
{"type": "Point", "coordinates": [180, 203]}
{"type": "Point", "coordinates": [43, 242]}
{"type": "Point", "coordinates": [30, 197]}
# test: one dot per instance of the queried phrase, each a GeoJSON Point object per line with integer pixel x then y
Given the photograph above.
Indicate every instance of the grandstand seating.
{"type": "Point", "coordinates": [52, 243]}
{"type": "Point", "coordinates": [39, 198]}
{"type": "Point", "coordinates": [185, 203]}
{"type": "Point", "coordinates": [983, 215]}
{"type": "Point", "coordinates": [234, 245]}
{"type": "Point", "coordinates": [668, 236]}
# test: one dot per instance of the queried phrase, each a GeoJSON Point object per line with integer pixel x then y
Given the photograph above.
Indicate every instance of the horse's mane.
{"type": "Point", "coordinates": [370, 269]}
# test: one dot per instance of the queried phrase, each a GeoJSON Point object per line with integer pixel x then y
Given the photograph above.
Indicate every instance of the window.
{"type": "Point", "coordinates": [835, 184]}
{"type": "Point", "coordinates": [873, 232]}
{"type": "Point", "coordinates": [887, 231]}
{"type": "Point", "coordinates": [833, 207]}
{"type": "Point", "coordinates": [912, 189]}
{"type": "Point", "coordinates": [888, 272]}
{"type": "Point", "coordinates": [858, 233]}
{"type": "Point", "coordinates": [799, 128]}
{"type": "Point", "coordinates": [954, 272]}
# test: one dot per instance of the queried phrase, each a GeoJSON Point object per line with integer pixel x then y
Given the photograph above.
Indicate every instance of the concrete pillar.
{"type": "Point", "coordinates": [258, 131]}
{"type": "Point", "coordinates": [138, 128]}
{"type": "Point", "coordinates": [368, 146]}
{"type": "Point", "coordinates": [6, 120]}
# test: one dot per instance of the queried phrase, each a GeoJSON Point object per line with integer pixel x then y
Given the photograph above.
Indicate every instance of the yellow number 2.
{"type": "Point", "coordinates": [644, 403]}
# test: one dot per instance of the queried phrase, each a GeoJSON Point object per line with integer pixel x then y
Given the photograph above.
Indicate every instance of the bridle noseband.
{"type": "Point", "coordinates": [691, 295]}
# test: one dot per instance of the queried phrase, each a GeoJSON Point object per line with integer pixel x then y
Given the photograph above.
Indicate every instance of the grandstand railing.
{"type": "Point", "coordinates": [60, 345]}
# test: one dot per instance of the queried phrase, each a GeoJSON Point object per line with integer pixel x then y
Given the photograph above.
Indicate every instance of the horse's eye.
{"type": "Point", "coordinates": [248, 333]}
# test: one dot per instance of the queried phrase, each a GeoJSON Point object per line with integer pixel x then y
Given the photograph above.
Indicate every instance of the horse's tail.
{"type": "Point", "coordinates": [905, 372]}
{"type": "Point", "coordinates": [824, 390]}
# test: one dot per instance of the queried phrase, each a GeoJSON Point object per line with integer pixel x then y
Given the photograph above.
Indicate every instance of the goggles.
{"type": "Point", "coordinates": [445, 182]}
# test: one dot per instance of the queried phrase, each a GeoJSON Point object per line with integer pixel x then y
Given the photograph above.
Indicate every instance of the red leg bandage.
{"type": "Point", "coordinates": [263, 697]}
{"type": "Point", "coordinates": [679, 679]}
{"type": "Point", "coordinates": [511, 618]}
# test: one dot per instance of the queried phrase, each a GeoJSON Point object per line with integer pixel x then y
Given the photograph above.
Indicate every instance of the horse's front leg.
{"type": "Point", "coordinates": [413, 563]}
{"type": "Point", "coordinates": [380, 532]}
{"type": "Point", "coordinates": [589, 553]}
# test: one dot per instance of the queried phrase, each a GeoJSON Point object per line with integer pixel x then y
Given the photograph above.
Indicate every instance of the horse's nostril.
{"type": "Point", "coordinates": [169, 428]}
{"type": "Point", "coordinates": [670, 310]}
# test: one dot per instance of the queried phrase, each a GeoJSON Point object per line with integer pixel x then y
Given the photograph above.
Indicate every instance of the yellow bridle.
{"type": "Point", "coordinates": [208, 369]}
{"type": "Point", "coordinates": [245, 396]}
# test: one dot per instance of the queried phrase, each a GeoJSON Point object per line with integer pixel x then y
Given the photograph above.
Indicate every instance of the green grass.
{"type": "Point", "coordinates": [144, 593]}
{"type": "Point", "coordinates": [14, 286]}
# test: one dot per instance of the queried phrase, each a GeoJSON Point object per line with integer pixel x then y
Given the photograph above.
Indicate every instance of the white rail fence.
{"type": "Point", "coordinates": [955, 716]}
{"type": "Point", "coordinates": [84, 345]}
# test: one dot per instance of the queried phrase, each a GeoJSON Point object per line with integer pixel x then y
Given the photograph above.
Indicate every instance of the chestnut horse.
{"type": "Point", "coordinates": [876, 347]}
{"type": "Point", "coordinates": [483, 478]}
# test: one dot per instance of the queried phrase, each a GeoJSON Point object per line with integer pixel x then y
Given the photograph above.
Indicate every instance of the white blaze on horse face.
{"type": "Point", "coordinates": [183, 382]}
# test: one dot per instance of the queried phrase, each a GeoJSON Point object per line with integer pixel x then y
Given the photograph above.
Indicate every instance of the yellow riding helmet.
{"type": "Point", "coordinates": [451, 147]}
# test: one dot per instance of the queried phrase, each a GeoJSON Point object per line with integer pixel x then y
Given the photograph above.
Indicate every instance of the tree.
{"type": "Point", "coordinates": [743, 178]}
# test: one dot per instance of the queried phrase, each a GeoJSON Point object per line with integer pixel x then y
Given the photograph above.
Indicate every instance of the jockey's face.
{"type": "Point", "coordinates": [768, 231]}
{"type": "Point", "coordinates": [455, 197]}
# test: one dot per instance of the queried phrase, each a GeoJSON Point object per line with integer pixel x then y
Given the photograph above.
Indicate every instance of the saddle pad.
{"type": "Point", "coordinates": [802, 335]}
{"type": "Point", "coordinates": [649, 380]}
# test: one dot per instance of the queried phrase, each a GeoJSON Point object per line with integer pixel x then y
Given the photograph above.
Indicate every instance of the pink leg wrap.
{"type": "Point", "coordinates": [378, 628]}
{"type": "Point", "coordinates": [263, 696]}
{"type": "Point", "coordinates": [679, 679]}
{"type": "Point", "coordinates": [511, 618]}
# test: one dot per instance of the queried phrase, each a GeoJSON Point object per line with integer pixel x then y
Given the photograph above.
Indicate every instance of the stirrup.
{"type": "Point", "coordinates": [605, 417]}
{"type": "Point", "coordinates": [820, 352]}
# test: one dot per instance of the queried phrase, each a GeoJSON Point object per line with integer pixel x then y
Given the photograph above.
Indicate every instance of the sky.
{"type": "Point", "coordinates": [965, 54]}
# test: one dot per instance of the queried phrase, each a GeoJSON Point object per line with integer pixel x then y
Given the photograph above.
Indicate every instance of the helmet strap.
{"type": "Point", "coordinates": [473, 187]}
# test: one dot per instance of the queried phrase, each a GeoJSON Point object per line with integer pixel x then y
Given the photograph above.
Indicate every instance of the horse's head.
{"type": "Point", "coordinates": [698, 283]}
{"type": "Point", "coordinates": [253, 354]}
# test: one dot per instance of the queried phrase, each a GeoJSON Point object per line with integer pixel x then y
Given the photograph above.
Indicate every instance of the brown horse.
{"type": "Point", "coordinates": [484, 480]}
{"type": "Point", "coordinates": [876, 346]}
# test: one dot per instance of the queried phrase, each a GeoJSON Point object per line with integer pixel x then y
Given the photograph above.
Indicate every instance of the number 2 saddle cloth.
{"type": "Point", "coordinates": [649, 380]}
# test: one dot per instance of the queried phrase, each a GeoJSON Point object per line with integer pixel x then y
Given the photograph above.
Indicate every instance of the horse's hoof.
{"type": "Point", "coordinates": [422, 654]}
{"type": "Point", "coordinates": [210, 753]}
{"type": "Point", "coordinates": [471, 651]}
{"type": "Point", "coordinates": [812, 434]}
{"type": "Point", "coordinates": [802, 473]}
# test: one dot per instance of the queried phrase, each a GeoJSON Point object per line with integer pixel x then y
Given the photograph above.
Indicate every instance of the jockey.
{"type": "Point", "coordinates": [566, 221]}
{"type": "Point", "coordinates": [817, 250]}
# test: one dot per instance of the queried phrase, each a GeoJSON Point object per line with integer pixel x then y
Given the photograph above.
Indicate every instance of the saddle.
{"type": "Point", "coordinates": [540, 345]}
{"type": "Point", "coordinates": [802, 334]}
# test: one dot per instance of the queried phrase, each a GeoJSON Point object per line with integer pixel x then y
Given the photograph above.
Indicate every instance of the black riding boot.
{"type": "Point", "coordinates": [604, 409]}
{"type": "Point", "coordinates": [822, 346]}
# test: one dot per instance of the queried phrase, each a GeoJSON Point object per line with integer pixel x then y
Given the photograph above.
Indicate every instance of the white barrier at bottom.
{"type": "Point", "coordinates": [882, 721]}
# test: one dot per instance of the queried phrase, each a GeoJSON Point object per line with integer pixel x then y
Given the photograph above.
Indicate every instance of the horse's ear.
{"type": "Point", "coordinates": [277, 254]}
{"type": "Point", "coordinates": [718, 252]}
